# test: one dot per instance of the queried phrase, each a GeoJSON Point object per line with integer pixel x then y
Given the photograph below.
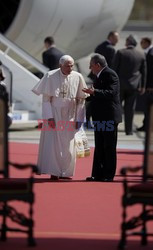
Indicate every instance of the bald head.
{"type": "Point", "coordinates": [113, 37]}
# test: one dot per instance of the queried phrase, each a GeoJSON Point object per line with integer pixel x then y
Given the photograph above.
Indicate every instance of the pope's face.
{"type": "Point", "coordinates": [67, 67]}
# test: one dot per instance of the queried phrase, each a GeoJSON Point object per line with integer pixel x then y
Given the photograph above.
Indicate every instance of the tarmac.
{"type": "Point", "coordinates": [26, 132]}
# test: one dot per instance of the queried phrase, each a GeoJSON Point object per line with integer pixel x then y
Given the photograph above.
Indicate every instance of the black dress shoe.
{"type": "Point", "coordinates": [54, 178]}
{"type": "Point", "coordinates": [65, 178]}
{"type": "Point", "coordinates": [141, 129]}
{"type": "Point", "coordinates": [129, 133]}
{"type": "Point", "coordinates": [91, 179]}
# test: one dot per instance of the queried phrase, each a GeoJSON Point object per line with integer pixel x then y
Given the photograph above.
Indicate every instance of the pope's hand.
{"type": "Point", "coordinates": [51, 123]}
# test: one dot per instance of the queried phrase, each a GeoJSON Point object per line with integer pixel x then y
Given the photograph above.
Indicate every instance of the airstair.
{"type": "Point", "coordinates": [24, 104]}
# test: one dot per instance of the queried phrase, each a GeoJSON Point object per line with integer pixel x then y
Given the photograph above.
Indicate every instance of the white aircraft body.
{"type": "Point", "coordinates": [77, 26]}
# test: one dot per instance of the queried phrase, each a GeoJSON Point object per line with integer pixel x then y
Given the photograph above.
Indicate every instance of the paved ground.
{"type": "Point", "coordinates": [26, 132]}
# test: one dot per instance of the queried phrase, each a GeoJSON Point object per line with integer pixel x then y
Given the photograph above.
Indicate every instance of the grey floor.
{"type": "Point", "coordinates": [27, 133]}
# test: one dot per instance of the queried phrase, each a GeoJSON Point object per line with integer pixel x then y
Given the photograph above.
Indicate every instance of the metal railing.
{"type": "Point", "coordinates": [23, 54]}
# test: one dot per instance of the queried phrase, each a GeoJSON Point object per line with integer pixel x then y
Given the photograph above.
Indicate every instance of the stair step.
{"type": "Point", "coordinates": [17, 105]}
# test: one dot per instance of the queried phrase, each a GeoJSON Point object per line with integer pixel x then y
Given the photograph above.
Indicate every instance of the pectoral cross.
{"type": "Point", "coordinates": [63, 91]}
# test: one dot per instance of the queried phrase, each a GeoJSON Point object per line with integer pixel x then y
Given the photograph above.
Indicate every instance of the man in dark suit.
{"type": "Point", "coordinates": [130, 65]}
{"type": "Point", "coordinates": [106, 114]}
{"type": "Point", "coordinates": [52, 55]}
{"type": "Point", "coordinates": [3, 92]}
{"type": "Point", "coordinates": [147, 46]}
{"type": "Point", "coordinates": [106, 49]}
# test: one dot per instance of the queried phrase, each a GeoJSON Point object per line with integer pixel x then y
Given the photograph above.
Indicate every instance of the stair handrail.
{"type": "Point", "coordinates": [22, 53]}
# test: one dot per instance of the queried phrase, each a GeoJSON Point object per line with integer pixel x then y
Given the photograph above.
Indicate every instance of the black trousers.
{"type": "Point", "coordinates": [148, 97]}
{"type": "Point", "coordinates": [129, 97]}
{"type": "Point", "coordinates": [105, 156]}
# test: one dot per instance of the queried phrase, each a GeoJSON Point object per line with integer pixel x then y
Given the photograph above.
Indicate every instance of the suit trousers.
{"type": "Point", "coordinates": [148, 97]}
{"type": "Point", "coordinates": [104, 162]}
{"type": "Point", "coordinates": [129, 97]}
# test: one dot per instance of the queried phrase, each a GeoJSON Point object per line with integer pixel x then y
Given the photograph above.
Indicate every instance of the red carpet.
{"type": "Point", "coordinates": [74, 214]}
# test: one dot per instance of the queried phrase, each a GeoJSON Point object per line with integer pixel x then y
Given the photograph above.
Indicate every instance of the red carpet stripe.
{"type": "Point", "coordinates": [74, 214]}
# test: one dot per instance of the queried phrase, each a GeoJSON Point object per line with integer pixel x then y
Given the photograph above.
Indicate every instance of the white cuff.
{"type": "Point", "coordinates": [80, 115]}
{"type": "Point", "coordinates": [47, 110]}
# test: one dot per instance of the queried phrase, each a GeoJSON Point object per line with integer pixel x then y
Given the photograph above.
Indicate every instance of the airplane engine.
{"type": "Point", "coordinates": [77, 26]}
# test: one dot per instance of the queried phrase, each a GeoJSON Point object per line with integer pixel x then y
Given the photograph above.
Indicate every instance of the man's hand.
{"type": "Point", "coordinates": [89, 91]}
{"type": "Point", "coordinates": [51, 123]}
{"type": "Point", "coordinates": [141, 91]}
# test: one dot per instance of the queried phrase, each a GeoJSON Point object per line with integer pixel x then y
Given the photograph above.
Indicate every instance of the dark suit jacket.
{"type": "Point", "coordinates": [149, 59]}
{"type": "Point", "coordinates": [130, 65]}
{"type": "Point", "coordinates": [105, 103]}
{"type": "Point", "coordinates": [51, 58]}
{"type": "Point", "coordinates": [107, 50]}
{"type": "Point", "coordinates": [2, 89]}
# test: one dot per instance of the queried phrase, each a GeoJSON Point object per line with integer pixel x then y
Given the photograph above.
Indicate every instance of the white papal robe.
{"type": "Point", "coordinates": [63, 100]}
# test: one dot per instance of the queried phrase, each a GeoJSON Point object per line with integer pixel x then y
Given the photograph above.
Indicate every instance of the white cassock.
{"type": "Point", "coordinates": [63, 100]}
